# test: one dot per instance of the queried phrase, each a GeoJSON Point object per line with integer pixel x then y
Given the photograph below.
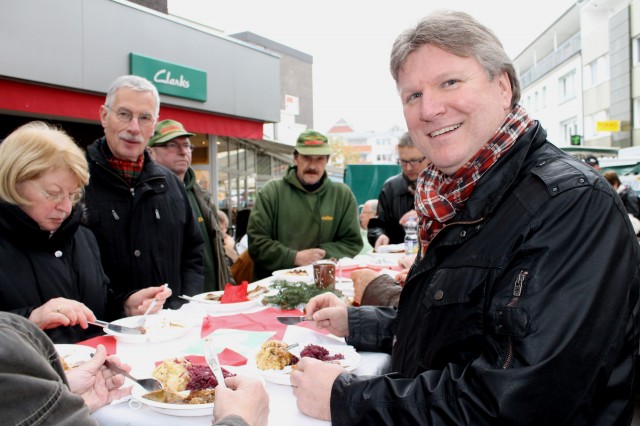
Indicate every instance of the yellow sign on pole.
{"type": "Point", "coordinates": [608, 126]}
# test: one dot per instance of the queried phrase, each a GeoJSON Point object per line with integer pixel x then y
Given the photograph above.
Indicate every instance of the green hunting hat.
{"type": "Point", "coordinates": [311, 142]}
{"type": "Point", "coordinates": [167, 130]}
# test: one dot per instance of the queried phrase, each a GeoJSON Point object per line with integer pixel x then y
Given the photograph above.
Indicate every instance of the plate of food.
{"type": "Point", "coordinates": [275, 363]}
{"type": "Point", "coordinates": [165, 325]}
{"type": "Point", "coordinates": [188, 388]}
{"type": "Point", "coordinates": [72, 356]}
{"type": "Point", "coordinates": [300, 274]}
{"type": "Point", "coordinates": [212, 301]}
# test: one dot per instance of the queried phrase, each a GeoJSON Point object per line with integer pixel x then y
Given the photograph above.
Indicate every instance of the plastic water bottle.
{"type": "Point", "coordinates": [411, 237]}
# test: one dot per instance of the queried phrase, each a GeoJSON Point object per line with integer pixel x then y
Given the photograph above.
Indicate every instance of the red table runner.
{"type": "Point", "coordinates": [264, 320]}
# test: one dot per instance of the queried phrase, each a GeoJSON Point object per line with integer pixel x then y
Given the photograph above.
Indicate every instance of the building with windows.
{"type": "Point", "coordinates": [226, 90]}
{"type": "Point", "coordinates": [364, 147]}
{"type": "Point", "coordinates": [581, 76]}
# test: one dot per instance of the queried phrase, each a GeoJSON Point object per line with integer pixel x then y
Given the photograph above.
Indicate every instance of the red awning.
{"type": "Point", "coordinates": [43, 100]}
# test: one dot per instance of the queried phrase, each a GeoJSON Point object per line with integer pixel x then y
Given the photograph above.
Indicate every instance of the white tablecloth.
{"type": "Point", "coordinates": [283, 410]}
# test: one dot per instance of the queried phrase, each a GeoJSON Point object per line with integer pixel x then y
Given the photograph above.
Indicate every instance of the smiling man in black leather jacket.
{"type": "Point", "coordinates": [522, 309]}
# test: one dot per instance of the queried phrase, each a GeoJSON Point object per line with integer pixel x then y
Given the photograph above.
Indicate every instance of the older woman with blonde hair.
{"type": "Point", "coordinates": [50, 270]}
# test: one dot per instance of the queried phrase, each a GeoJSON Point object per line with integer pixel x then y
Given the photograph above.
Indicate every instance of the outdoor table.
{"type": "Point", "coordinates": [244, 332]}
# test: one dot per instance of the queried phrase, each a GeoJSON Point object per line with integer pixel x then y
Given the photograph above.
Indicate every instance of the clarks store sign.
{"type": "Point", "coordinates": [171, 79]}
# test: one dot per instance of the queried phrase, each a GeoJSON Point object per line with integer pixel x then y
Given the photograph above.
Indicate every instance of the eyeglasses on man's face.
{"type": "Point", "coordinates": [124, 115]}
{"type": "Point", "coordinates": [177, 147]}
{"type": "Point", "coordinates": [413, 162]}
{"type": "Point", "coordinates": [58, 197]}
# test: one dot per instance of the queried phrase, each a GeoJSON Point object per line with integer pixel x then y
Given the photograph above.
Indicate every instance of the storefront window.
{"type": "Point", "coordinates": [242, 169]}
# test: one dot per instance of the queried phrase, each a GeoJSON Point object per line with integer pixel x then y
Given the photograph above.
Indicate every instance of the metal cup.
{"type": "Point", "coordinates": [324, 274]}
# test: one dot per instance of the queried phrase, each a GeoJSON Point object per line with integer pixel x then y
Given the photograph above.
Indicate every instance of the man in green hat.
{"type": "Point", "coordinates": [170, 146]}
{"type": "Point", "coordinates": [303, 217]}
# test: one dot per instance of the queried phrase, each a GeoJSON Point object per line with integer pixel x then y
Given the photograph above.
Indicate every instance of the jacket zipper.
{"type": "Point", "coordinates": [132, 190]}
{"type": "Point", "coordinates": [518, 286]}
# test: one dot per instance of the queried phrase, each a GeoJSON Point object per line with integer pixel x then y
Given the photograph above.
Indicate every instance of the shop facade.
{"type": "Point", "coordinates": [222, 89]}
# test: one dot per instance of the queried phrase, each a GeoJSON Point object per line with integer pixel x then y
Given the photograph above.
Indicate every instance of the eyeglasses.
{"type": "Point", "coordinates": [414, 162]}
{"type": "Point", "coordinates": [145, 120]}
{"type": "Point", "coordinates": [176, 147]}
{"type": "Point", "coordinates": [58, 197]}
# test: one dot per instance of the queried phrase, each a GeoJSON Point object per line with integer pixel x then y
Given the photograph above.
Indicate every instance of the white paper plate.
{"type": "Point", "coordinates": [161, 327]}
{"type": "Point", "coordinates": [74, 355]}
{"type": "Point", "coordinates": [182, 410]}
{"type": "Point", "coordinates": [286, 274]}
{"type": "Point", "coordinates": [282, 377]}
{"type": "Point", "coordinates": [212, 306]}
{"type": "Point", "coordinates": [188, 410]}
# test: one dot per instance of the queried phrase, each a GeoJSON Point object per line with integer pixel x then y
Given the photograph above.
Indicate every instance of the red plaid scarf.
{"type": "Point", "coordinates": [127, 170]}
{"type": "Point", "coordinates": [439, 197]}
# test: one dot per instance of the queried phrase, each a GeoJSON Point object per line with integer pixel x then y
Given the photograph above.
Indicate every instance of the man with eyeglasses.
{"type": "Point", "coordinates": [304, 216]}
{"type": "Point", "coordinates": [138, 210]}
{"type": "Point", "coordinates": [170, 146]}
{"type": "Point", "coordinates": [395, 202]}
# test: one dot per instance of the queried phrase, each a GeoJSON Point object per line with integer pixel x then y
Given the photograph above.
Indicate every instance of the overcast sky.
{"type": "Point", "coordinates": [350, 41]}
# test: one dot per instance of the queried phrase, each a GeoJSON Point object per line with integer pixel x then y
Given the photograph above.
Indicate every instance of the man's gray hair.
{"type": "Point", "coordinates": [132, 82]}
{"type": "Point", "coordinates": [405, 141]}
{"type": "Point", "coordinates": [459, 34]}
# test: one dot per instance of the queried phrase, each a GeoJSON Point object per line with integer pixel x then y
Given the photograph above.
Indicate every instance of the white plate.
{"type": "Point", "coordinates": [213, 306]}
{"type": "Point", "coordinates": [161, 327]}
{"type": "Point", "coordinates": [183, 410]}
{"type": "Point", "coordinates": [190, 410]}
{"type": "Point", "coordinates": [285, 274]}
{"type": "Point", "coordinates": [350, 362]}
{"type": "Point", "coordinates": [74, 355]}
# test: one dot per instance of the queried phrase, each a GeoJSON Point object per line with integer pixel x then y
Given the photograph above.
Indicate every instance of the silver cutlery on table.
{"type": "Point", "coordinates": [118, 328]}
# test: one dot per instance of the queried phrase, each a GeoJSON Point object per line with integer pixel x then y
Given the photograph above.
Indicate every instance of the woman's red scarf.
{"type": "Point", "coordinates": [439, 197]}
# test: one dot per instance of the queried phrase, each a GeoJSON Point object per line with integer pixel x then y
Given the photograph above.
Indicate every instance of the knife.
{"type": "Point", "coordinates": [119, 328]}
{"type": "Point", "coordinates": [214, 364]}
{"type": "Point", "coordinates": [293, 320]}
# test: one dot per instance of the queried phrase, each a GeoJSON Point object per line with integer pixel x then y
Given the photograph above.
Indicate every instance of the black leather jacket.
{"type": "Point", "coordinates": [522, 312]}
{"type": "Point", "coordinates": [147, 234]}
{"type": "Point", "coordinates": [393, 202]}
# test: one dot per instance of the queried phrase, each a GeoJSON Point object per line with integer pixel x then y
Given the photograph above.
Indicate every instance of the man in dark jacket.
{"type": "Point", "coordinates": [628, 196]}
{"type": "Point", "coordinates": [522, 306]}
{"type": "Point", "coordinates": [395, 202]}
{"type": "Point", "coordinates": [170, 146]}
{"type": "Point", "coordinates": [139, 211]}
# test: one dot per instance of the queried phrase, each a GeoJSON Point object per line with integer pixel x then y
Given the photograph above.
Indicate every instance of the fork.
{"type": "Point", "coordinates": [143, 319]}
{"type": "Point", "coordinates": [149, 385]}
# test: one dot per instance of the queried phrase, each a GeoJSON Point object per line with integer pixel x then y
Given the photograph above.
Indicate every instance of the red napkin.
{"type": "Point", "coordinates": [109, 343]}
{"type": "Point", "coordinates": [226, 357]}
{"type": "Point", "coordinates": [264, 320]}
{"type": "Point", "coordinates": [235, 293]}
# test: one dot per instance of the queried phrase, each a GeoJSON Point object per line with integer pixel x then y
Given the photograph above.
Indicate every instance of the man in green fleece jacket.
{"type": "Point", "coordinates": [170, 146]}
{"type": "Point", "coordinates": [303, 217]}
